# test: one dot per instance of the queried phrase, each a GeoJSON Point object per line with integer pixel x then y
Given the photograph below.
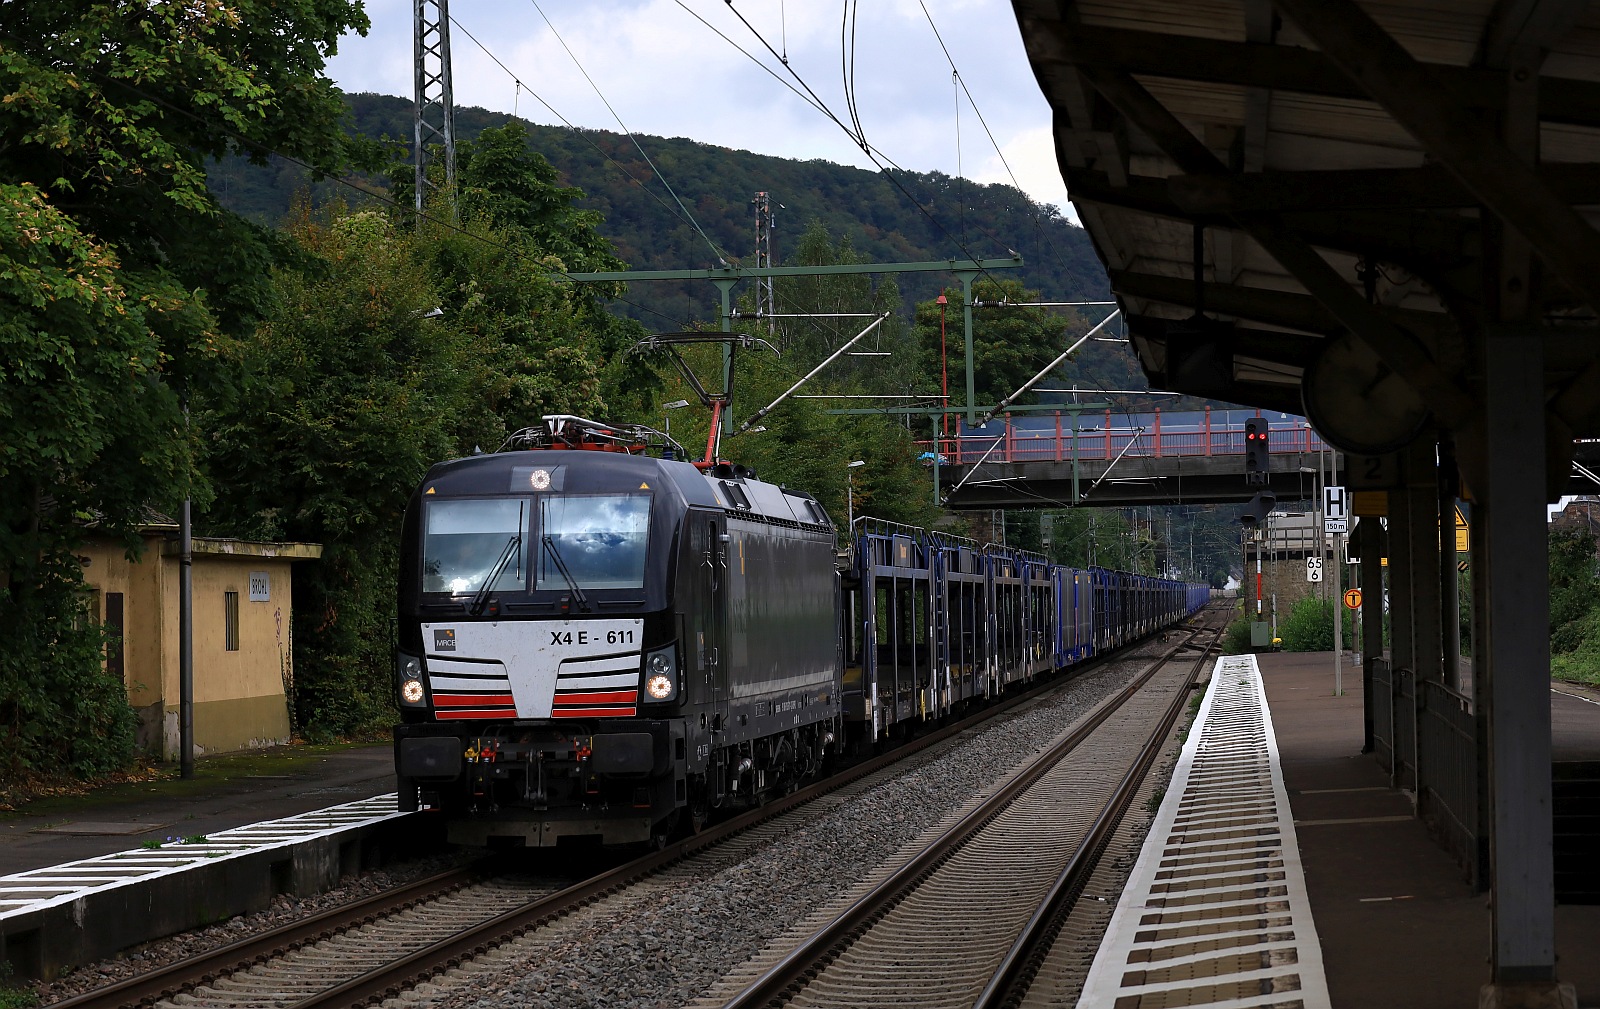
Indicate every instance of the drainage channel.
{"type": "Point", "coordinates": [1216, 909]}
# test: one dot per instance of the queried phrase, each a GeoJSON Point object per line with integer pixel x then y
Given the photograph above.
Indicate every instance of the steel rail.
{"type": "Point", "coordinates": [791, 970]}
{"type": "Point", "coordinates": [420, 966]}
{"type": "Point", "coordinates": [180, 976]}
{"type": "Point", "coordinates": [174, 978]}
{"type": "Point", "coordinates": [1018, 967]}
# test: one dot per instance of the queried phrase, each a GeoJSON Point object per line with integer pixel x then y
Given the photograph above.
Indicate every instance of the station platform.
{"type": "Point", "coordinates": [157, 858]}
{"type": "Point", "coordinates": [127, 817]}
{"type": "Point", "coordinates": [1341, 900]}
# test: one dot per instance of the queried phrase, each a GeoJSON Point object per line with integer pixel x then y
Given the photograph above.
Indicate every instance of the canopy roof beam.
{"type": "Point", "coordinates": [1413, 95]}
{"type": "Point", "coordinates": [1280, 68]}
{"type": "Point", "coordinates": [1397, 348]}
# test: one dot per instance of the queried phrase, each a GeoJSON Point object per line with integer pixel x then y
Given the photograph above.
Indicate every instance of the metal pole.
{"type": "Point", "coordinates": [1318, 529]}
{"type": "Point", "coordinates": [726, 287]}
{"type": "Point", "coordinates": [186, 645]}
{"type": "Point", "coordinates": [944, 363]}
{"type": "Point", "coordinates": [1075, 496]}
{"type": "Point", "coordinates": [1338, 616]}
{"type": "Point", "coordinates": [1449, 581]}
{"type": "Point", "coordinates": [1258, 578]}
{"type": "Point", "coordinates": [965, 277]}
{"type": "Point", "coordinates": [1518, 646]}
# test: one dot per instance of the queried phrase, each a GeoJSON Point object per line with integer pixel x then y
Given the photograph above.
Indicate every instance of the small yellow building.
{"type": "Point", "coordinates": [243, 661]}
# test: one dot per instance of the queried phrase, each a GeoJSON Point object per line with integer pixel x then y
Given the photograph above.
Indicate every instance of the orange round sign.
{"type": "Point", "coordinates": [1352, 599]}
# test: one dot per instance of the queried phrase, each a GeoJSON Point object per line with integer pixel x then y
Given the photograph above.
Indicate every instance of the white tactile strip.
{"type": "Point", "coordinates": [59, 884]}
{"type": "Point", "coordinates": [1215, 913]}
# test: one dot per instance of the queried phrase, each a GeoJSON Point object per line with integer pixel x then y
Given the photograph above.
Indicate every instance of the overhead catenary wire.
{"type": "Point", "coordinates": [721, 256]}
{"type": "Point", "coordinates": [877, 157]}
{"type": "Point", "coordinates": [1047, 369]}
{"type": "Point", "coordinates": [962, 85]}
{"type": "Point", "coordinates": [810, 374]}
{"type": "Point", "coordinates": [575, 129]}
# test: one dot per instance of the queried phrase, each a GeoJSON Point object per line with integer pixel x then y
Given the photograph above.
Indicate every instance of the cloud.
{"type": "Point", "coordinates": [665, 73]}
{"type": "Point", "coordinates": [1031, 156]}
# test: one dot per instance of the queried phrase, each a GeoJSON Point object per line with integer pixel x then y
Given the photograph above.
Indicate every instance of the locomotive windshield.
{"type": "Point", "coordinates": [600, 539]}
{"type": "Point", "coordinates": [467, 540]}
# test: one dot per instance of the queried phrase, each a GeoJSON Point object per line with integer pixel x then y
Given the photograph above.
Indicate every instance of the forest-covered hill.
{"type": "Point", "coordinates": [717, 185]}
{"type": "Point", "coordinates": [879, 221]}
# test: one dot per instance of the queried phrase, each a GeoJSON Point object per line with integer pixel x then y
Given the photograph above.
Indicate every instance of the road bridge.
{"type": "Point", "coordinates": [1386, 213]}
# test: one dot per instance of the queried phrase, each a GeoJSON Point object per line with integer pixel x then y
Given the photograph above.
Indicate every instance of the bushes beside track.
{"type": "Point", "coordinates": [1309, 626]}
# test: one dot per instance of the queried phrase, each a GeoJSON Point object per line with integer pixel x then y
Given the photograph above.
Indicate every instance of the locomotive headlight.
{"type": "Point", "coordinates": [661, 674]}
{"type": "Point", "coordinates": [408, 670]}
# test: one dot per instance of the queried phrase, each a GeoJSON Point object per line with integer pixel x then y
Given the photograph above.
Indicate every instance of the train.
{"type": "Point", "coordinates": [599, 640]}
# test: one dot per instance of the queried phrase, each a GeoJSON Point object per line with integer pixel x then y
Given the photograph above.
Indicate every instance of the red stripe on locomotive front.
{"type": "Point", "coordinates": [598, 697]}
{"type": "Point", "coordinates": [591, 712]}
{"type": "Point", "coordinates": [472, 700]}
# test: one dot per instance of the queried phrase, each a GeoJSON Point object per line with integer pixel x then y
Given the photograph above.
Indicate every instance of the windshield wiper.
{"type": "Point", "coordinates": [561, 565]}
{"type": "Point", "coordinates": [481, 597]}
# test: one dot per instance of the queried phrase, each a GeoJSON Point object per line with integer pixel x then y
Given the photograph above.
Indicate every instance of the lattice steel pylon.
{"type": "Point", "coordinates": [434, 118]}
{"type": "Point", "coordinates": [765, 301]}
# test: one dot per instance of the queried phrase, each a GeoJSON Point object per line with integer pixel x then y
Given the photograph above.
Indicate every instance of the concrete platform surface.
{"type": "Point", "coordinates": [1399, 924]}
{"type": "Point", "coordinates": [102, 826]}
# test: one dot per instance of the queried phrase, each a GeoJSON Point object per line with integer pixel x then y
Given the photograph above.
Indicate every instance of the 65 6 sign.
{"type": "Point", "coordinates": [1313, 569]}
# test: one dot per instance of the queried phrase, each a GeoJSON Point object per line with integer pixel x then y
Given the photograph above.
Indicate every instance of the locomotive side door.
{"type": "Point", "coordinates": [707, 623]}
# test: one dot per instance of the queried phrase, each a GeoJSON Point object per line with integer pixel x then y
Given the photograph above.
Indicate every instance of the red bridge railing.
{"type": "Point", "coordinates": [1103, 437]}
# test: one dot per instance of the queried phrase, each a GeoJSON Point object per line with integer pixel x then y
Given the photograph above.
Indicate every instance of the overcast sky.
{"type": "Point", "coordinates": [666, 74]}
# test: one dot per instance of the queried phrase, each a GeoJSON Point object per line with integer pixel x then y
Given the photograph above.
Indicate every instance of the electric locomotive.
{"type": "Point", "coordinates": [595, 642]}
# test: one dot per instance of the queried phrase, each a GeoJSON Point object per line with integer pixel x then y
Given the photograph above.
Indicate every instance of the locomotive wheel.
{"type": "Point", "coordinates": [664, 831]}
{"type": "Point", "coordinates": [692, 819]}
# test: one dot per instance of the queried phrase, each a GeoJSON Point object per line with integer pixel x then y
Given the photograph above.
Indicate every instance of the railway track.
{"type": "Point", "coordinates": [377, 948]}
{"type": "Point", "coordinates": [966, 920]}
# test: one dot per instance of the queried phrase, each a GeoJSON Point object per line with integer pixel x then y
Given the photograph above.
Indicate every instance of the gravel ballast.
{"type": "Point", "coordinates": [671, 941]}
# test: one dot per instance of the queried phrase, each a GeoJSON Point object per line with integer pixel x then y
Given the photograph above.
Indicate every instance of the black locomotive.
{"type": "Point", "coordinates": [597, 642]}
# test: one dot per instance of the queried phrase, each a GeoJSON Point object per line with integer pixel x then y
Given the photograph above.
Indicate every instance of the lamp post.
{"type": "Point", "coordinates": [666, 413]}
{"type": "Point", "coordinates": [849, 493]}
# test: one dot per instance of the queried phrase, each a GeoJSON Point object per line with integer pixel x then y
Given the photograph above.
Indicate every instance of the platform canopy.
{"type": "Point", "coordinates": [1374, 184]}
{"type": "Point", "coordinates": [1380, 213]}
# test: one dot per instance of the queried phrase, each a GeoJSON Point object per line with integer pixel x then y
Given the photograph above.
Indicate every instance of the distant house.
{"type": "Point", "coordinates": [1579, 514]}
{"type": "Point", "coordinates": [243, 662]}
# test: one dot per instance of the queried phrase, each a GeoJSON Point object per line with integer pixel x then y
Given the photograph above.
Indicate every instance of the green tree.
{"type": "Point", "coordinates": [120, 281]}
{"type": "Point", "coordinates": [894, 368]}
{"type": "Point", "coordinates": [349, 392]}
{"type": "Point", "coordinates": [1009, 345]}
{"type": "Point", "coordinates": [84, 431]}
{"type": "Point", "coordinates": [557, 348]}
{"type": "Point", "coordinates": [1574, 589]}
{"type": "Point", "coordinates": [1574, 606]}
